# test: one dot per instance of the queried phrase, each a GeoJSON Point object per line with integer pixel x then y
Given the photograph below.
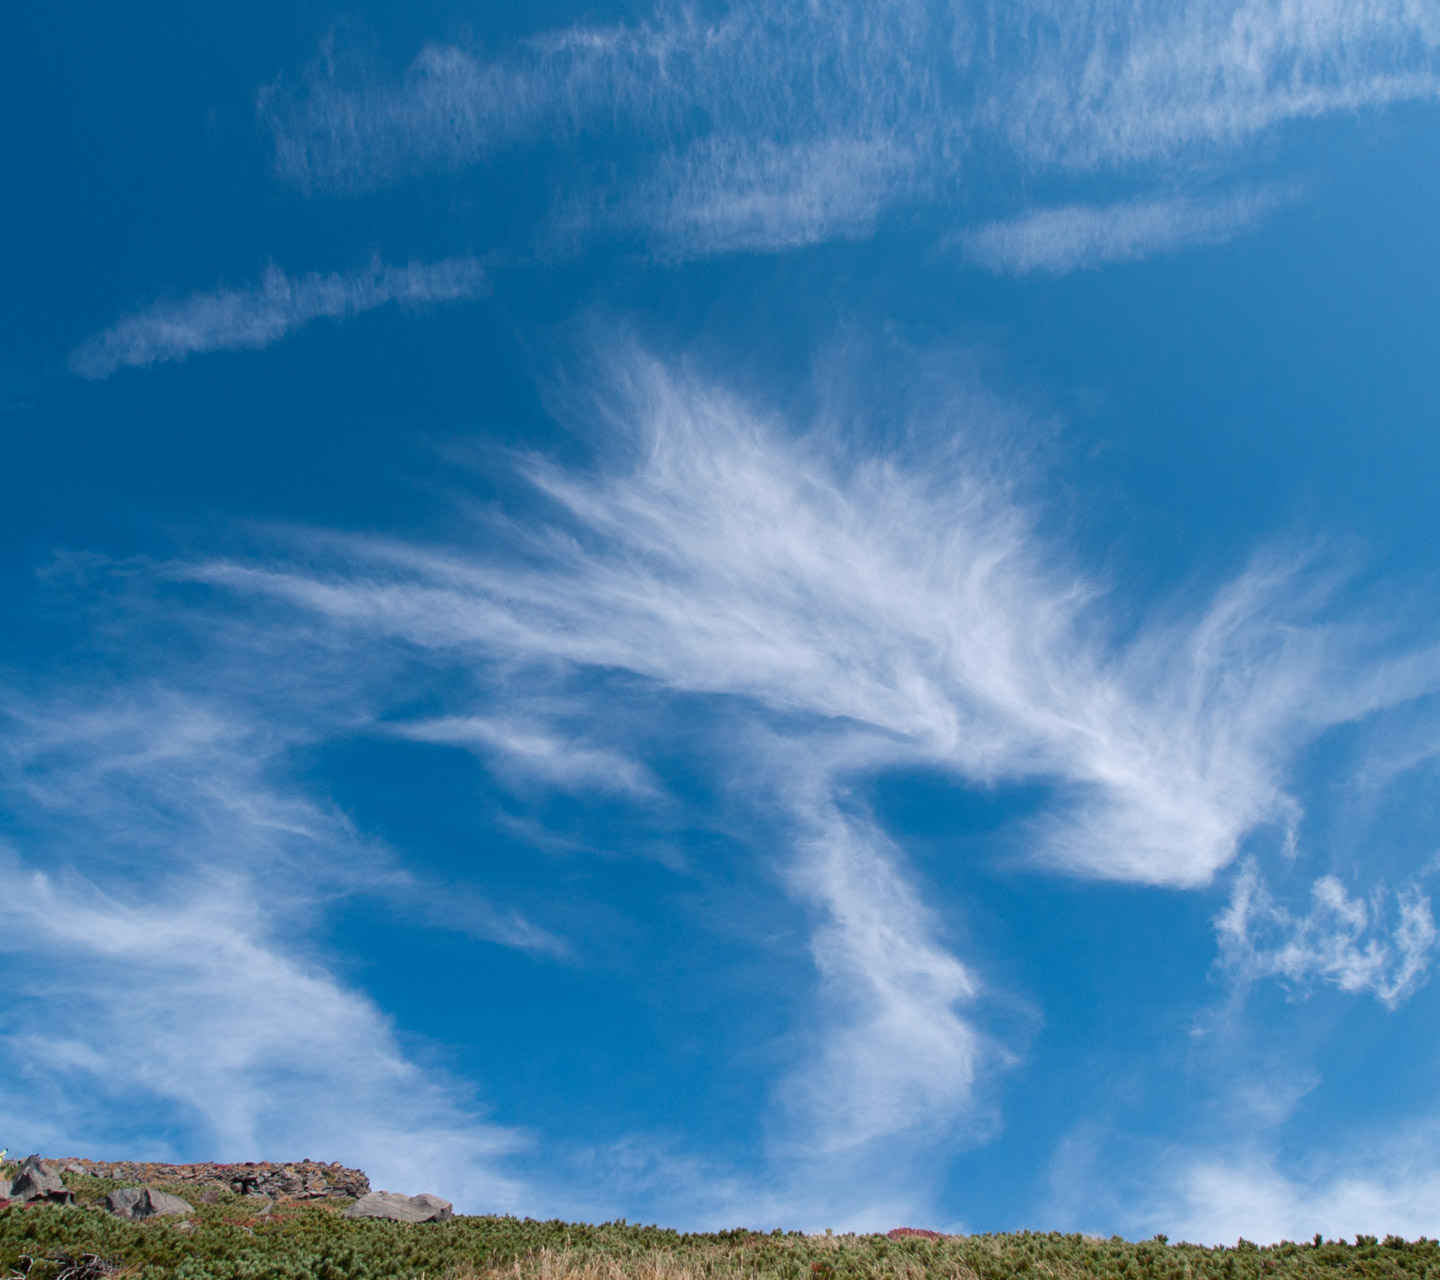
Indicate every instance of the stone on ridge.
{"type": "Point", "coordinates": [399, 1208]}
{"type": "Point", "coordinates": [138, 1203]}
{"type": "Point", "coordinates": [37, 1181]}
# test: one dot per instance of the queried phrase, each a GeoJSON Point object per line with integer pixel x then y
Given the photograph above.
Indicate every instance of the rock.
{"type": "Point", "coordinates": [304, 1180]}
{"type": "Point", "coordinates": [37, 1181]}
{"type": "Point", "coordinates": [4, 1188]}
{"type": "Point", "coordinates": [398, 1208]}
{"type": "Point", "coordinates": [138, 1203]}
{"type": "Point", "coordinates": [442, 1210]}
{"type": "Point", "coordinates": [294, 1180]}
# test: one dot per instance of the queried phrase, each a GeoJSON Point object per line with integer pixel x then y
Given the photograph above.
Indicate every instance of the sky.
{"type": "Point", "coordinates": [799, 614]}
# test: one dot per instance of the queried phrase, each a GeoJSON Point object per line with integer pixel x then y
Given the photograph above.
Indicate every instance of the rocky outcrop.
{"type": "Point", "coordinates": [261, 1185]}
{"type": "Point", "coordinates": [138, 1203]}
{"type": "Point", "coordinates": [36, 1180]}
{"type": "Point", "coordinates": [296, 1180]}
{"type": "Point", "coordinates": [397, 1208]}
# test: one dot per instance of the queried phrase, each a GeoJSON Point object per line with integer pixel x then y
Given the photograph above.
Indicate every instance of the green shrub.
{"type": "Point", "coordinates": [226, 1240]}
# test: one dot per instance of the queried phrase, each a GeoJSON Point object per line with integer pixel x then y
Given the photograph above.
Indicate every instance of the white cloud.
{"type": "Point", "coordinates": [910, 597]}
{"type": "Point", "coordinates": [718, 198]}
{"type": "Point", "coordinates": [162, 977]}
{"type": "Point", "coordinates": [872, 611]}
{"type": "Point", "coordinates": [158, 969]}
{"type": "Point", "coordinates": [1127, 83]}
{"type": "Point", "coordinates": [1247, 1179]}
{"type": "Point", "coordinates": [774, 125]}
{"type": "Point", "coordinates": [532, 749]}
{"type": "Point", "coordinates": [180, 1001]}
{"type": "Point", "coordinates": [262, 314]}
{"type": "Point", "coordinates": [1341, 940]}
{"type": "Point", "coordinates": [1078, 236]}
{"type": "Point", "coordinates": [778, 79]}
{"type": "Point", "coordinates": [451, 107]}
{"type": "Point", "coordinates": [161, 776]}
{"type": "Point", "coordinates": [901, 1054]}
{"type": "Point", "coordinates": [788, 154]}
{"type": "Point", "coordinates": [825, 610]}
{"type": "Point", "coordinates": [1390, 1185]}
{"type": "Point", "coordinates": [1374, 1183]}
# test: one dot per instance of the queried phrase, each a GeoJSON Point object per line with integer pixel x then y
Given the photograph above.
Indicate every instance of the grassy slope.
{"type": "Point", "coordinates": [316, 1243]}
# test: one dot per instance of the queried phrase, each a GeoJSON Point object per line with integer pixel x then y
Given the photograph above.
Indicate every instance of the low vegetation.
{"type": "Point", "coordinates": [226, 1239]}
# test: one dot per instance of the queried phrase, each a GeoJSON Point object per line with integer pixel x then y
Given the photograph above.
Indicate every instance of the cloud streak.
{"type": "Point", "coordinates": [902, 1054]}
{"type": "Point", "coordinates": [531, 748]}
{"type": "Point", "coordinates": [1115, 84]}
{"type": "Point", "coordinates": [158, 966]}
{"type": "Point", "coordinates": [785, 124]}
{"type": "Point", "coordinates": [718, 199]}
{"type": "Point", "coordinates": [1074, 237]}
{"type": "Point", "coordinates": [260, 315]}
{"type": "Point", "coordinates": [186, 1006]}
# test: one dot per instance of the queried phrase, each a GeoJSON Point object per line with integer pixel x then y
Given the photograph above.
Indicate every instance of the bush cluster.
{"type": "Point", "coordinates": [227, 1240]}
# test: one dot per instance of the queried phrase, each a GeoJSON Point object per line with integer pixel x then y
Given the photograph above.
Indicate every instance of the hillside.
{"type": "Point", "coordinates": [232, 1235]}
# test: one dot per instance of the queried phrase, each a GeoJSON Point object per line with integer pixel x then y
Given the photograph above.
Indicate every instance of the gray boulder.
{"type": "Point", "coordinates": [135, 1204]}
{"type": "Point", "coordinates": [37, 1181]}
{"type": "Point", "coordinates": [398, 1208]}
{"type": "Point", "coordinates": [4, 1188]}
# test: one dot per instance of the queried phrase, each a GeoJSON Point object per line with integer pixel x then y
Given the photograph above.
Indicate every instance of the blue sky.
{"type": "Point", "coordinates": [792, 614]}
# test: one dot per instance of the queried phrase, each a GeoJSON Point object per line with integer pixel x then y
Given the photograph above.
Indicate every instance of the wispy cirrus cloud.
{"type": "Point", "coordinates": [534, 748]}
{"type": "Point", "coordinates": [162, 878]}
{"type": "Point", "coordinates": [1111, 84]}
{"type": "Point", "coordinates": [715, 199]}
{"type": "Point", "coordinates": [1388, 1187]}
{"type": "Point", "coordinates": [914, 600]}
{"type": "Point", "coordinates": [903, 1053]}
{"type": "Point", "coordinates": [1341, 940]}
{"type": "Point", "coordinates": [259, 315]}
{"type": "Point", "coordinates": [818, 607]}
{"type": "Point", "coordinates": [771, 126]}
{"type": "Point", "coordinates": [183, 1009]}
{"type": "Point", "coordinates": [1214, 1192]}
{"type": "Point", "coordinates": [1074, 237]}
{"type": "Point", "coordinates": [862, 610]}
{"type": "Point", "coordinates": [160, 775]}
